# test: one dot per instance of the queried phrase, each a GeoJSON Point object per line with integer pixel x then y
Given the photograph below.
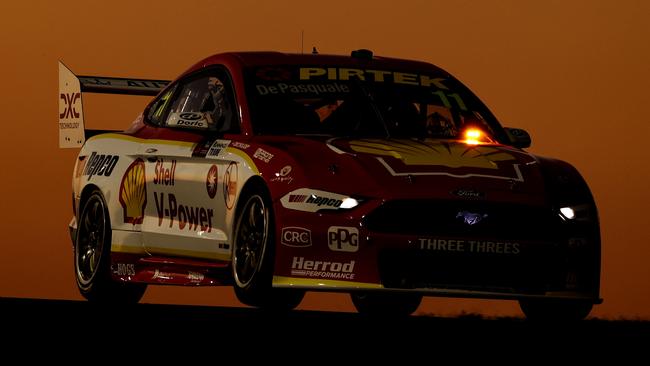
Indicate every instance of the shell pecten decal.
{"type": "Point", "coordinates": [133, 193]}
{"type": "Point", "coordinates": [428, 152]}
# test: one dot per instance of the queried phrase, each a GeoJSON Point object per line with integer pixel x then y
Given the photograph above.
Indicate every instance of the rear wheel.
{"type": "Point", "coordinates": [253, 254]}
{"type": "Point", "coordinates": [382, 304]}
{"type": "Point", "coordinates": [92, 260]}
{"type": "Point", "coordinates": [555, 310]}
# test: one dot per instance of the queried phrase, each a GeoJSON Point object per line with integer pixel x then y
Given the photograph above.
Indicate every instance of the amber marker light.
{"type": "Point", "coordinates": [473, 136]}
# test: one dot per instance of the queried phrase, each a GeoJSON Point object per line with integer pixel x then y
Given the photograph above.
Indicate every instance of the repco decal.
{"type": "Point", "coordinates": [230, 185]}
{"type": "Point", "coordinates": [133, 193]}
{"type": "Point", "coordinates": [100, 164]}
{"type": "Point", "coordinates": [211, 181]}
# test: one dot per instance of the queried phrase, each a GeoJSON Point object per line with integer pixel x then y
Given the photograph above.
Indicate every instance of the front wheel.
{"type": "Point", "coordinates": [555, 310]}
{"type": "Point", "coordinates": [92, 260]}
{"type": "Point", "coordinates": [383, 304]}
{"type": "Point", "coordinates": [253, 253]}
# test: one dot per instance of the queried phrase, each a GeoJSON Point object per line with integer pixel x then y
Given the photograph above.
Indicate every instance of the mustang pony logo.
{"type": "Point", "coordinates": [471, 218]}
{"type": "Point", "coordinates": [430, 152]}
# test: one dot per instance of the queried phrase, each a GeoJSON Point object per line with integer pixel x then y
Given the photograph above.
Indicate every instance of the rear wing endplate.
{"type": "Point", "coordinates": [72, 132]}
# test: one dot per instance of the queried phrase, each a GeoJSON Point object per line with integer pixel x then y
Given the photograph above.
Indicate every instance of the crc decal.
{"type": "Point", "coordinates": [211, 181]}
{"type": "Point", "coordinates": [469, 246]}
{"type": "Point", "coordinates": [378, 76]}
{"type": "Point", "coordinates": [283, 175]}
{"type": "Point", "coordinates": [70, 102]}
{"type": "Point", "coordinates": [343, 239]}
{"type": "Point", "coordinates": [230, 185]}
{"type": "Point", "coordinates": [294, 236]}
{"type": "Point", "coordinates": [133, 193]}
{"type": "Point", "coordinates": [188, 119]}
{"type": "Point", "coordinates": [100, 164]}
{"type": "Point", "coordinates": [184, 217]}
{"type": "Point", "coordinates": [217, 149]}
{"type": "Point", "coordinates": [312, 200]}
{"type": "Point", "coordinates": [322, 269]}
{"type": "Point", "coordinates": [263, 155]}
{"type": "Point", "coordinates": [164, 174]}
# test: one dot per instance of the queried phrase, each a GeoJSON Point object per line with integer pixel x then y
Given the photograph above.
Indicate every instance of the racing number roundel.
{"type": "Point", "coordinates": [230, 185]}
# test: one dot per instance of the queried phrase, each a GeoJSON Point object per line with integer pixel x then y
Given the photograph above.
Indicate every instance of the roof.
{"type": "Point", "coordinates": [262, 58]}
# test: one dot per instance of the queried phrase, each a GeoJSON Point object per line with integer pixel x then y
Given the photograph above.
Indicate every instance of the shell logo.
{"type": "Point", "coordinates": [428, 152]}
{"type": "Point", "coordinates": [133, 193]}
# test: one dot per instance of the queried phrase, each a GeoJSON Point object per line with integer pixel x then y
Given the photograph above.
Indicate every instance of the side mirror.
{"type": "Point", "coordinates": [518, 137]}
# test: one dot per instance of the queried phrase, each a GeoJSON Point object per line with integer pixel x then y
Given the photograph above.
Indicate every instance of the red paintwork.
{"type": "Point", "coordinates": [355, 174]}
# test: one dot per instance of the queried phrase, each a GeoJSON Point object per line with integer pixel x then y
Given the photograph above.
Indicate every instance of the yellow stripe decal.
{"type": "Point", "coordinates": [125, 248]}
{"type": "Point", "coordinates": [189, 253]}
{"type": "Point", "coordinates": [245, 157]}
{"type": "Point", "coordinates": [139, 140]}
{"type": "Point", "coordinates": [314, 282]}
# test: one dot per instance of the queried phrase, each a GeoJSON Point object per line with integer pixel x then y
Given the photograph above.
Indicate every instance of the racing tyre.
{"type": "Point", "coordinates": [253, 254]}
{"type": "Point", "coordinates": [92, 262]}
{"type": "Point", "coordinates": [379, 304]}
{"type": "Point", "coordinates": [555, 310]}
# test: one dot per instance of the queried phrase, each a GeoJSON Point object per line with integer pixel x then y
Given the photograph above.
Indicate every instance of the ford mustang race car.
{"type": "Point", "coordinates": [278, 173]}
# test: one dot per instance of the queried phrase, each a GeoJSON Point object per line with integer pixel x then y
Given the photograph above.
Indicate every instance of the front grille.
{"type": "Point", "coordinates": [538, 266]}
{"type": "Point", "coordinates": [445, 218]}
{"type": "Point", "coordinates": [536, 269]}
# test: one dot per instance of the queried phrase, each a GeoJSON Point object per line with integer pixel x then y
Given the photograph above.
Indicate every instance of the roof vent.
{"type": "Point", "coordinates": [362, 54]}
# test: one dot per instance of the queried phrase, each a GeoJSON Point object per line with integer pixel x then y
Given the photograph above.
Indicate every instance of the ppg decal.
{"type": "Point", "coordinates": [343, 239]}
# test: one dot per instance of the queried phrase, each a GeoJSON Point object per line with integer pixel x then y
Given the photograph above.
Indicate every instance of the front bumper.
{"type": "Point", "coordinates": [525, 253]}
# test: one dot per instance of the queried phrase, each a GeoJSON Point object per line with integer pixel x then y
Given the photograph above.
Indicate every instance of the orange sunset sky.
{"type": "Point", "coordinates": [575, 74]}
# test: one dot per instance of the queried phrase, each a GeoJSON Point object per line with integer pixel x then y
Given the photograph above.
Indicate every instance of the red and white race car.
{"type": "Point", "coordinates": [280, 173]}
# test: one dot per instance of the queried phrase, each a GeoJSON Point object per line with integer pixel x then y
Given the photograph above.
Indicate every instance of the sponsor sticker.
{"type": "Point", "coordinates": [180, 216]}
{"type": "Point", "coordinates": [293, 236]}
{"type": "Point", "coordinates": [188, 119]}
{"type": "Point", "coordinates": [164, 174]}
{"type": "Point", "coordinates": [217, 149]}
{"type": "Point", "coordinates": [343, 239]}
{"type": "Point", "coordinates": [100, 164]}
{"type": "Point", "coordinates": [240, 145]}
{"type": "Point", "coordinates": [211, 181]}
{"type": "Point", "coordinates": [263, 155]}
{"type": "Point", "coordinates": [322, 269]}
{"type": "Point", "coordinates": [124, 269]}
{"type": "Point", "coordinates": [230, 185]}
{"type": "Point", "coordinates": [312, 200]}
{"type": "Point", "coordinates": [468, 246]}
{"type": "Point", "coordinates": [283, 175]}
{"type": "Point", "coordinates": [133, 193]}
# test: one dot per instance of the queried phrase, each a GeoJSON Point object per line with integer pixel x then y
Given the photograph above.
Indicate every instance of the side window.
{"type": "Point", "coordinates": [204, 102]}
{"type": "Point", "coordinates": [157, 111]}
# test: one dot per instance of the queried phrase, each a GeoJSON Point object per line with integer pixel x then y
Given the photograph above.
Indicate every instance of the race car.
{"type": "Point", "coordinates": [276, 173]}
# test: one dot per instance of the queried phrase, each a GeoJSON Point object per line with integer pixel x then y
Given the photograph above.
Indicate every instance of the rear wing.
{"type": "Point", "coordinates": [72, 132]}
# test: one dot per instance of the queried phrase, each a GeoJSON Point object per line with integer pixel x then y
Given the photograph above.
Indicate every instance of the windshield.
{"type": "Point", "coordinates": [344, 102]}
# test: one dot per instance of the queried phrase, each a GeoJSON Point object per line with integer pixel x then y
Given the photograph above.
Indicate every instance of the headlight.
{"type": "Point", "coordinates": [313, 200]}
{"type": "Point", "coordinates": [567, 213]}
{"type": "Point", "coordinates": [573, 213]}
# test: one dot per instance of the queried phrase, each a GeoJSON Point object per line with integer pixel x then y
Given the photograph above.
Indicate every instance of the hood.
{"type": "Point", "coordinates": [410, 169]}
